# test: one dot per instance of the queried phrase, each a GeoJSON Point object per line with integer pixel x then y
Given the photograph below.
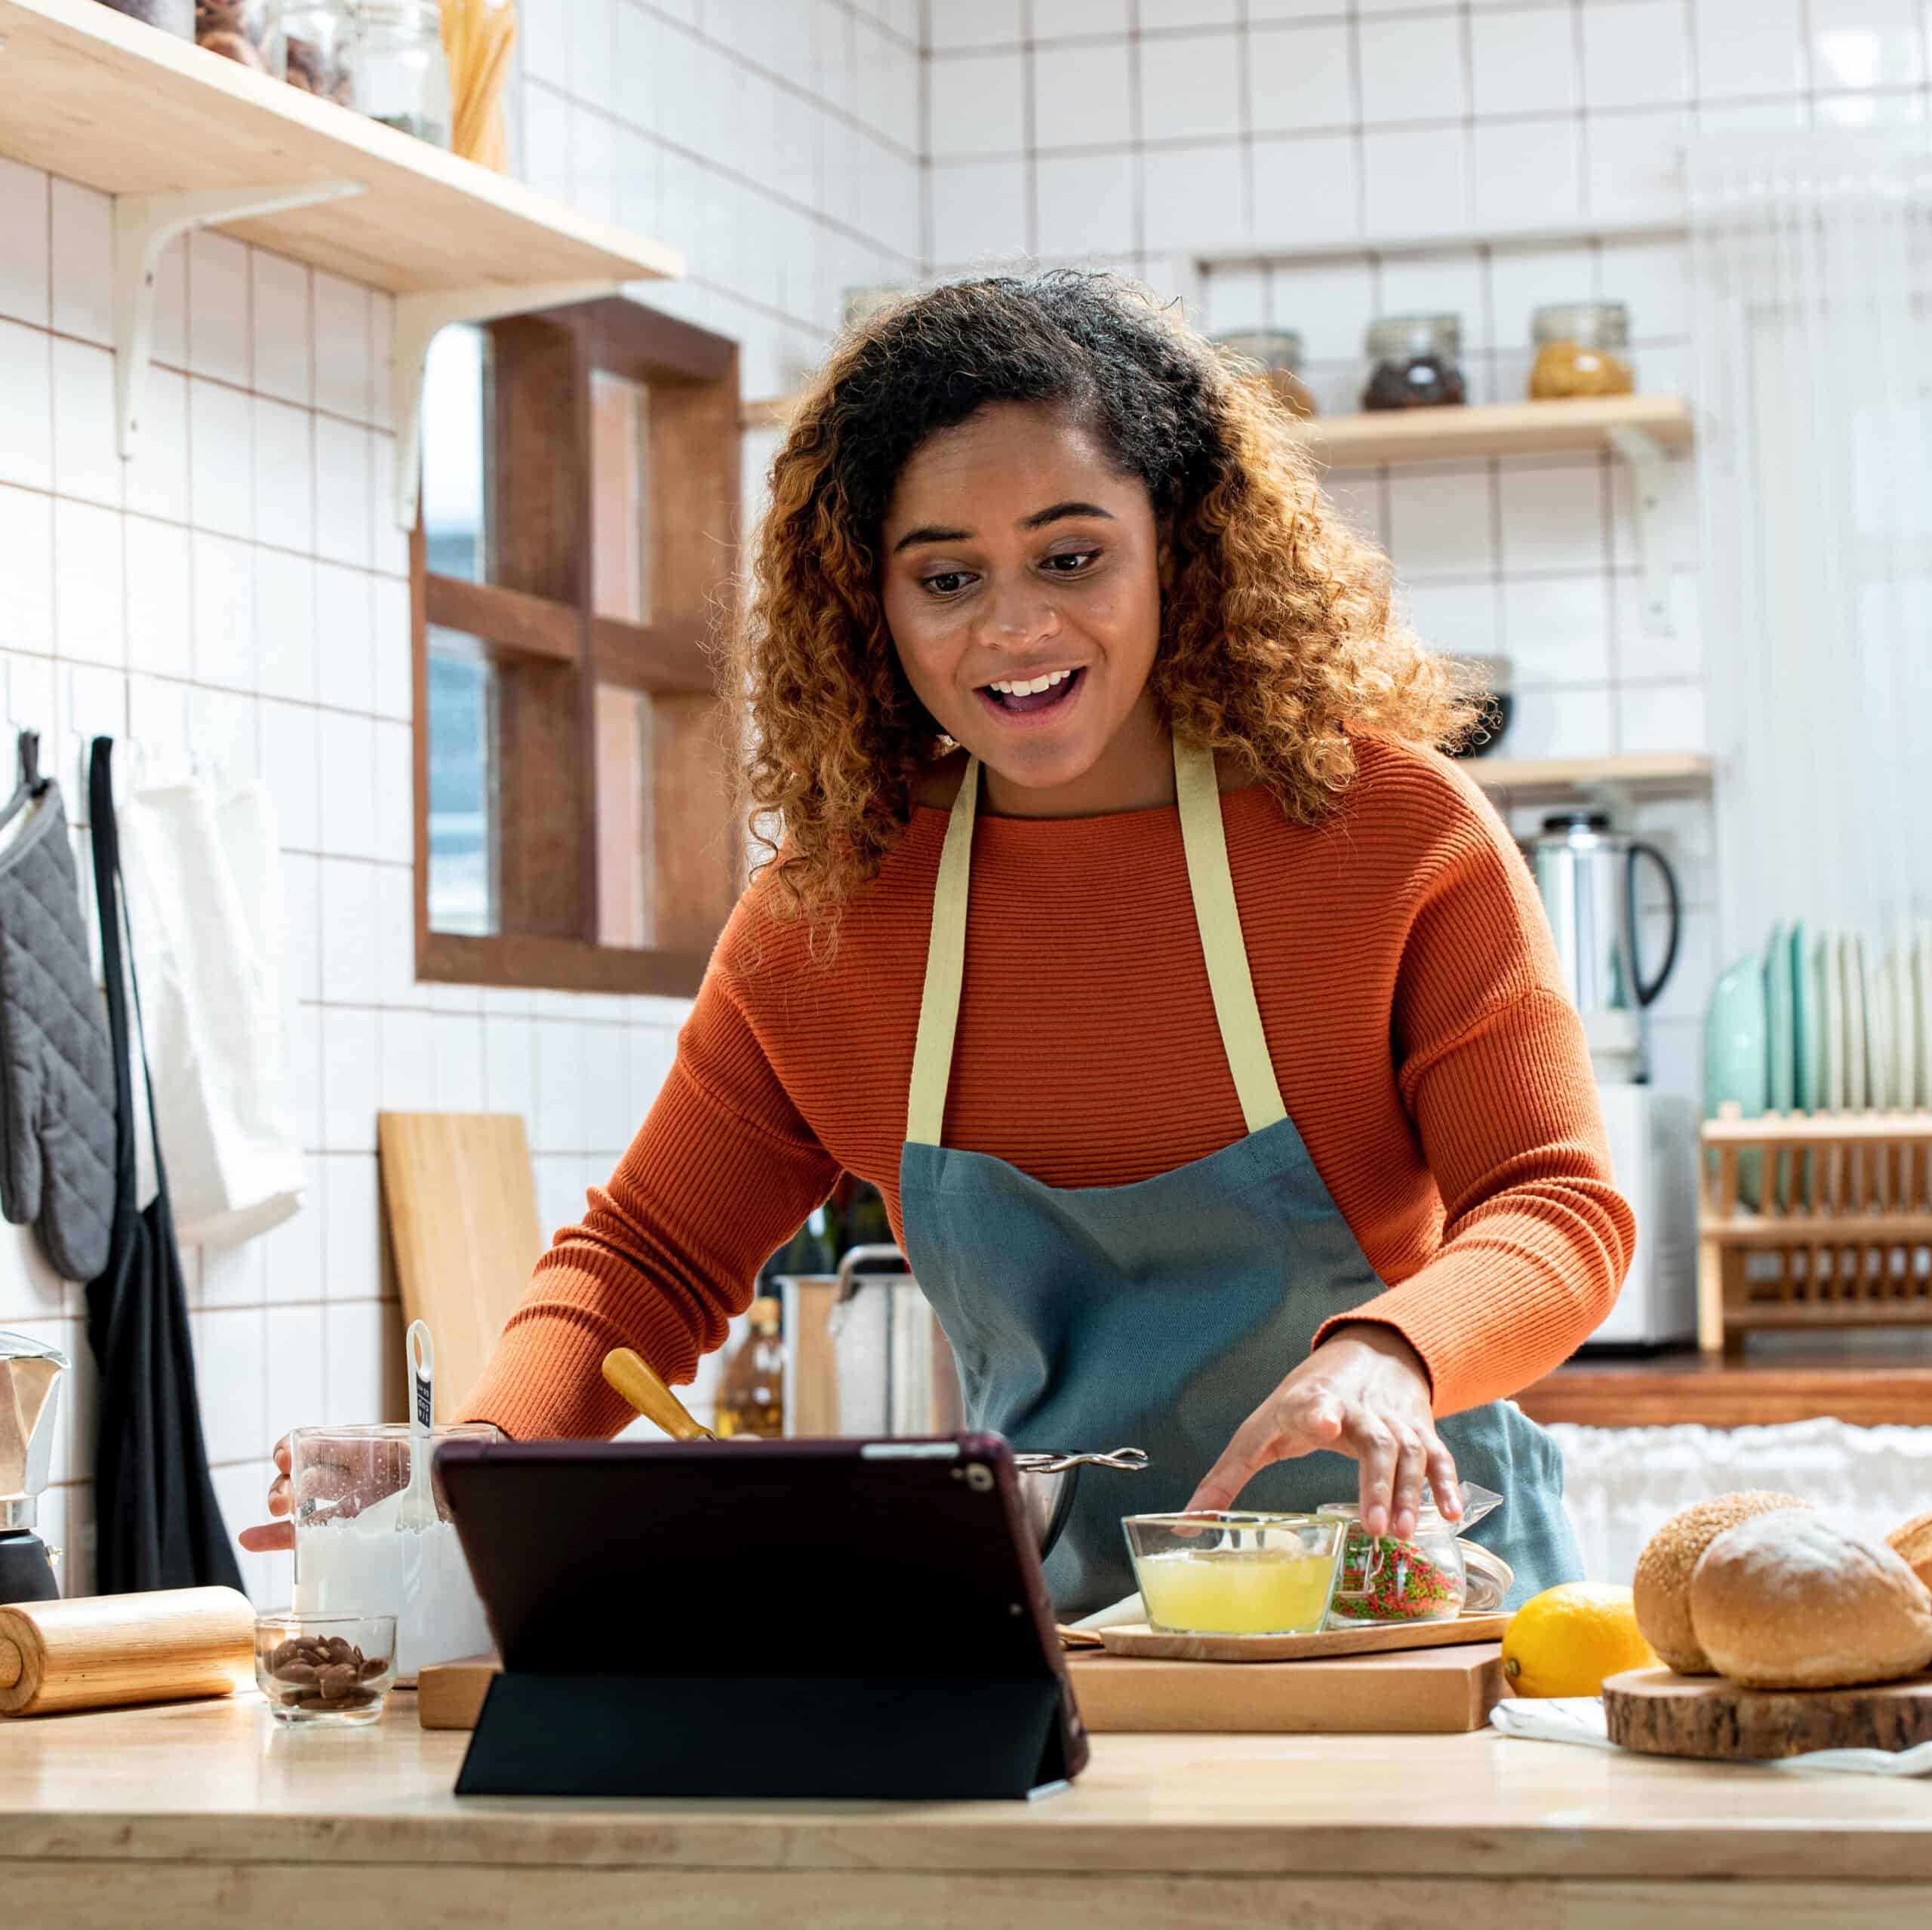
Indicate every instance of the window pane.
{"type": "Point", "coordinates": [620, 498]}
{"type": "Point", "coordinates": [455, 520]}
{"type": "Point", "coordinates": [463, 786]}
{"type": "Point", "coordinates": [625, 880]}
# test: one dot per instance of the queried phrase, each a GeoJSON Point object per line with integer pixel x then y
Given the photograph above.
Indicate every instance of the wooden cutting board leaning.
{"type": "Point", "coordinates": [461, 1207]}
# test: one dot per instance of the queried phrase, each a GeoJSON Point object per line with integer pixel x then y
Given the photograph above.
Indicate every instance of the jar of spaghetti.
{"type": "Point", "coordinates": [1582, 349]}
{"type": "Point", "coordinates": [1384, 1578]}
{"type": "Point", "coordinates": [1278, 352]}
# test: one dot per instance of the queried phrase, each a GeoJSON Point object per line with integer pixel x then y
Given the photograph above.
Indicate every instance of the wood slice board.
{"type": "Point", "coordinates": [1430, 1692]}
{"type": "Point", "coordinates": [1427, 1692]}
{"type": "Point", "coordinates": [1136, 1638]}
{"type": "Point", "coordinates": [1659, 1713]}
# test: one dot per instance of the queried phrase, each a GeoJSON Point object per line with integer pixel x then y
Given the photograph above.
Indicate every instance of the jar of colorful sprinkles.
{"type": "Point", "coordinates": [1384, 1579]}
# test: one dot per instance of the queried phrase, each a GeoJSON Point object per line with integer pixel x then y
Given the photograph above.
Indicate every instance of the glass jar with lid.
{"type": "Point", "coordinates": [246, 32]}
{"type": "Point", "coordinates": [316, 34]}
{"type": "Point", "coordinates": [1279, 351]}
{"type": "Point", "coordinates": [174, 16]}
{"type": "Point", "coordinates": [1582, 349]}
{"type": "Point", "coordinates": [1415, 362]}
{"type": "Point", "coordinates": [1383, 1578]}
{"type": "Point", "coordinates": [398, 73]}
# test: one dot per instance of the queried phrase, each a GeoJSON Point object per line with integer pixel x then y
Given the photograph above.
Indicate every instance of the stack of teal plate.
{"type": "Point", "coordinates": [1822, 1022]}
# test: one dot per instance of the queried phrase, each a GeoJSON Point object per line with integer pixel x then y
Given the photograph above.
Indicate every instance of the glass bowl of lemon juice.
{"type": "Point", "coordinates": [1221, 1574]}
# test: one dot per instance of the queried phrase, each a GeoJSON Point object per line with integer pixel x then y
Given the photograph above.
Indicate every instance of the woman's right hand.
{"type": "Point", "coordinates": [269, 1536]}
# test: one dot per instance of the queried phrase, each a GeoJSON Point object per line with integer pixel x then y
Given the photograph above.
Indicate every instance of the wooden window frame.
{"type": "Point", "coordinates": [537, 627]}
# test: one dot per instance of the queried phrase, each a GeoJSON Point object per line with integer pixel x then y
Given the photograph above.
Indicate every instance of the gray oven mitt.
{"type": "Point", "coordinates": [56, 1068]}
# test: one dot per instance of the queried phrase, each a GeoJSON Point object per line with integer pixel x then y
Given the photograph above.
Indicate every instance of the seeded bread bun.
{"type": "Point", "coordinates": [1789, 1601]}
{"type": "Point", "coordinates": [1661, 1591]}
{"type": "Point", "coordinates": [1912, 1543]}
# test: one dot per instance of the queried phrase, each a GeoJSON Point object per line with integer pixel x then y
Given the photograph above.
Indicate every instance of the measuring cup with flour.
{"type": "Point", "coordinates": [365, 1546]}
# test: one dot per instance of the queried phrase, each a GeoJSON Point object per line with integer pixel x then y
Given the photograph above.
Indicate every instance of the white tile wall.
{"type": "Point", "coordinates": [1283, 123]}
{"type": "Point", "coordinates": [239, 589]}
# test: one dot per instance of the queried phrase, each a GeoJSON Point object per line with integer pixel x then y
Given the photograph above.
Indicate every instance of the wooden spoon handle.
{"type": "Point", "coordinates": [633, 1377]}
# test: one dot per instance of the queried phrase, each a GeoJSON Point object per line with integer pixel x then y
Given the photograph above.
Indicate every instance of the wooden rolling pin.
{"type": "Point", "coordinates": [169, 1645]}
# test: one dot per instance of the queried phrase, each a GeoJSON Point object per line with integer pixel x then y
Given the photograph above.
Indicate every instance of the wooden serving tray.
{"type": "Point", "coordinates": [1136, 1638]}
{"type": "Point", "coordinates": [1659, 1713]}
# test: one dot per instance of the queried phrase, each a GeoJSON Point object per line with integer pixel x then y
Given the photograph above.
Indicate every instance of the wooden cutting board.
{"type": "Point", "coordinates": [1427, 1692]}
{"type": "Point", "coordinates": [462, 1209]}
{"type": "Point", "coordinates": [1430, 1691]}
{"type": "Point", "coordinates": [1136, 1638]}
{"type": "Point", "coordinates": [1659, 1713]}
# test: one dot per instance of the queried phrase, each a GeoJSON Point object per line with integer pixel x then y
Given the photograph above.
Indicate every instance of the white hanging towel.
{"type": "Point", "coordinates": [211, 937]}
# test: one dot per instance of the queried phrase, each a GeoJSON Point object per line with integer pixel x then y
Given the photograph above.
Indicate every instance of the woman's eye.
{"type": "Point", "coordinates": [1070, 562]}
{"type": "Point", "coordinates": [946, 582]}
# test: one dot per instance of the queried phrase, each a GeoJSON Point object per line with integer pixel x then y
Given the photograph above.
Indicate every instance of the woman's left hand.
{"type": "Point", "coordinates": [1363, 1392]}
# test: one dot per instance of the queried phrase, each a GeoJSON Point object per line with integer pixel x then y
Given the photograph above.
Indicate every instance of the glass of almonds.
{"type": "Point", "coordinates": [325, 1668]}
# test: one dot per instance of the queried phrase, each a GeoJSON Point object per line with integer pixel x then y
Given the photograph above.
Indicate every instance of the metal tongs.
{"type": "Point", "coordinates": [1122, 1461]}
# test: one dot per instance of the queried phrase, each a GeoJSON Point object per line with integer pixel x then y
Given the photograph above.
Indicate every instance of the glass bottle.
{"type": "Point", "coordinates": [1415, 362]}
{"type": "Point", "coordinates": [246, 32]}
{"type": "Point", "coordinates": [398, 73]}
{"type": "Point", "coordinates": [316, 33]}
{"type": "Point", "coordinates": [1279, 352]}
{"type": "Point", "coordinates": [751, 1392]}
{"type": "Point", "coordinates": [1582, 349]}
{"type": "Point", "coordinates": [174, 16]}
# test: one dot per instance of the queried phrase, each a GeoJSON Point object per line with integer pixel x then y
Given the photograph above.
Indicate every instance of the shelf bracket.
{"type": "Point", "coordinates": [1643, 456]}
{"type": "Point", "coordinates": [143, 226]}
{"type": "Point", "coordinates": [419, 318]}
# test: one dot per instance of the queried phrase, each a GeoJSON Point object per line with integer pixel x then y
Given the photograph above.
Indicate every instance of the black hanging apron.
{"type": "Point", "coordinates": [157, 1524]}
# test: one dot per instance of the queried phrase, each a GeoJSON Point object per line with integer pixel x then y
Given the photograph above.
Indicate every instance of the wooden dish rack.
{"type": "Point", "coordinates": [1814, 1220]}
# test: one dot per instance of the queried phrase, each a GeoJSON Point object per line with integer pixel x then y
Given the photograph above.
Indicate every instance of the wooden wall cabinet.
{"type": "Point", "coordinates": [560, 656]}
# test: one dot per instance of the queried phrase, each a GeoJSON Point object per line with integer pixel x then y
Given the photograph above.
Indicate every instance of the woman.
{"type": "Point", "coordinates": [1196, 1018]}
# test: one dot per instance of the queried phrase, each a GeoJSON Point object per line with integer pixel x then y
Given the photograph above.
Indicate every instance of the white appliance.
{"type": "Point", "coordinates": [1653, 1159]}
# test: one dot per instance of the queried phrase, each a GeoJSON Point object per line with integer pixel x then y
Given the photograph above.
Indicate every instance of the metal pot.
{"type": "Point", "coordinates": [1047, 1483]}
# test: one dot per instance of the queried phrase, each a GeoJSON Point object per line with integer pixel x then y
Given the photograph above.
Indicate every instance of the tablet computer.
{"type": "Point", "coordinates": [808, 1617]}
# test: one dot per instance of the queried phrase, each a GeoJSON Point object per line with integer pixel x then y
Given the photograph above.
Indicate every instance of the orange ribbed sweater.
{"type": "Point", "coordinates": [1412, 1006]}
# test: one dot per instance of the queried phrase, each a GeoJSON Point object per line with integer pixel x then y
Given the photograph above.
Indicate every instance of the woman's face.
{"type": "Point", "coordinates": [1016, 555]}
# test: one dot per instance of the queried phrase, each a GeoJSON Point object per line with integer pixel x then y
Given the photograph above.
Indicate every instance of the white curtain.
{"type": "Point", "coordinates": [1812, 278]}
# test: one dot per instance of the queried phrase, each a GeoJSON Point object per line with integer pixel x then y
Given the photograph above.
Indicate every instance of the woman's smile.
{"type": "Point", "coordinates": [1027, 703]}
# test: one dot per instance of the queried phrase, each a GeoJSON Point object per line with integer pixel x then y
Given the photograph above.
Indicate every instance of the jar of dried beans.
{"type": "Point", "coordinates": [1415, 361]}
{"type": "Point", "coordinates": [246, 32]}
{"type": "Point", "coordinates": [315, 32]}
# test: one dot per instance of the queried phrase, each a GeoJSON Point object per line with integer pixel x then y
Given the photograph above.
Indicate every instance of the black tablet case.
{"type": "Point", "coordinates": [794, 1618]}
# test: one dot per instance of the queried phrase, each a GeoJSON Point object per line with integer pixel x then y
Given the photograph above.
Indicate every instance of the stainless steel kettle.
{"type": "Point", "coordinates": [30, 1373]}
{"type": "Point", "coordinates": [1586, 875]}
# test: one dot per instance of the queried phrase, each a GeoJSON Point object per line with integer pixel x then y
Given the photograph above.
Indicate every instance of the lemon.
{"type": "Point", "coordinates": [1564, 1641]}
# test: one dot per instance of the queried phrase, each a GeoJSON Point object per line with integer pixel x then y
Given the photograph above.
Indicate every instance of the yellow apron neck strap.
{"type": "Point", "coordinates": [945, 969]}
{"type": "Point", "coordinates": [1204, 841]}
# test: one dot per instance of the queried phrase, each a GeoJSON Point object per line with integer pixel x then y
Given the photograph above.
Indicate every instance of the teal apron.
{"type": "Point", "coordinates": [1160, 1314]}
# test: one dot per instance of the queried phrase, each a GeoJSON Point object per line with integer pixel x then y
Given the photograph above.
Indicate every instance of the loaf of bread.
{"type": "Point", "coordinates": [1912, 1544]}
{"type": "Point", "coordinates": [1661, 1592]}
{"type": "Point", "coordinates": [1789, 1601]}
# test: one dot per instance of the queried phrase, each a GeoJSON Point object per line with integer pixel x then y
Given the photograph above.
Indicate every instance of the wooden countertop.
{"type": "Point", "coordinates": [1865, 1386]}
{"type": "Point", "coordinates": [205, 1813]}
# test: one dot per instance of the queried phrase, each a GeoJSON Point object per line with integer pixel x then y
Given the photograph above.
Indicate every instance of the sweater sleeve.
{"type": "Point", "coordinates": [1494, 1071]}
{"type": "Point", "coordinates": [723, 1169]}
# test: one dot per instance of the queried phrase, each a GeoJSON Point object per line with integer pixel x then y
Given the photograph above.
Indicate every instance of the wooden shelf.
{"type": "Point", "coordinates": [1501, 429]}
{"type": "Point", "coordinates": [1428, 435]}
{"type": "Point", "coordinates": [100, 99]}
{"type": "Point", "coordinates": [1891, 1389]}
{"type": "Point", "coordinates": [1530, 780]}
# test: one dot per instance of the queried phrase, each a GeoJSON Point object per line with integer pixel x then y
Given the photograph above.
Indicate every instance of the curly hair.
{"type": "Point", "coordinates": [1277, 637]}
